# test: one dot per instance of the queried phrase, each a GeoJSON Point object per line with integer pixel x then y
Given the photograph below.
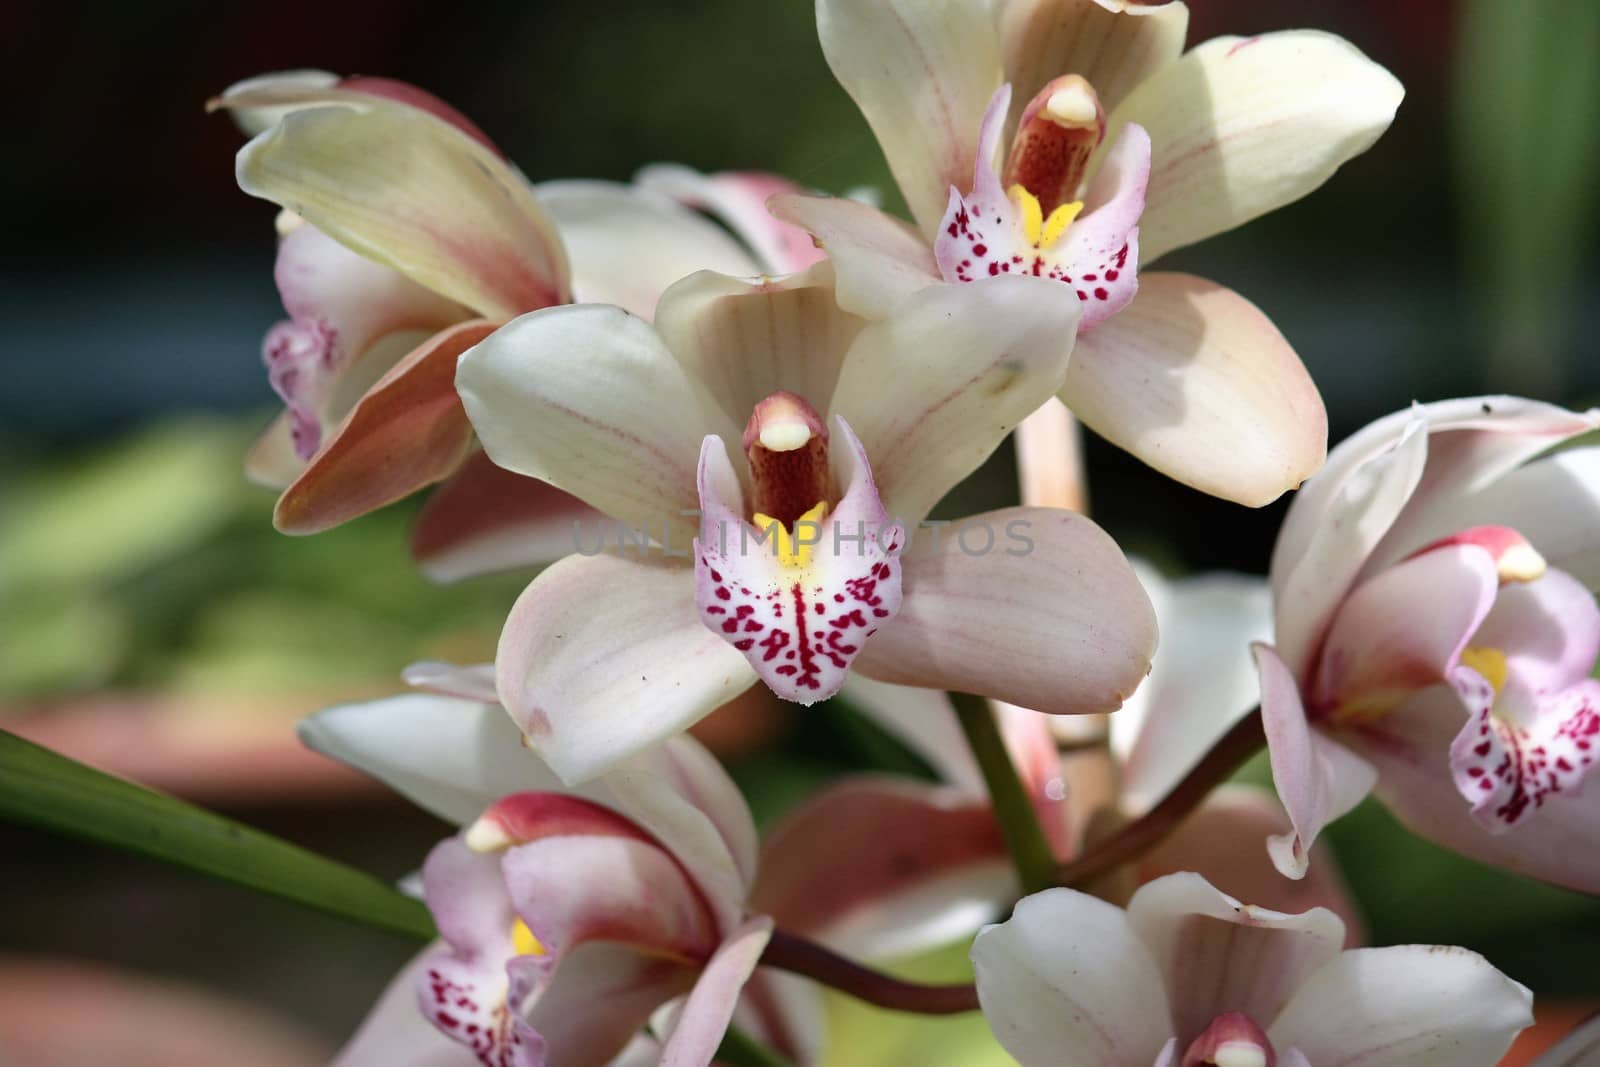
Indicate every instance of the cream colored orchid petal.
{"type": "Point", "coordinates": [1405, 1006]}
{"type": "Point", "coordinates": [410, 191]}
{"type": "Point", "coordinates": [739, 199]}
{"type": "Point", "coordinates": [604, 656]}
{"type": "Point", "coordinates": [922, 72]}
{"type": "Point", "coordinates": [589, 399]}
{"type": "Point", "coordinates": [745, 339]}
{"type": "Point", "coordinates": [1031, 606]}
{"type": "Point", "coordinates": [1242, 126]}
{"type": "Point", "coordinates": [1068, 971]}
{"type": "Point", "coordinates": [933, 389]}
{"type": "Point", "coordinates": [257, 104]}
{"type": "Point", "coordinates": [877, 260]}
{"type": "Point", "coordinates": [628, 245]}
{"type": "Point", "coordinates": [1114, 50]}
{"type": "Point", "coordinates": [1218, 954]}
{"type": "Point", "coordinates": [1197, 382]}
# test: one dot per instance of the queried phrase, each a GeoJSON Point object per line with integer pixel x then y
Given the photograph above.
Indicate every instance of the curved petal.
{"type": "Point", "coordinates": [1553, 501]}
{"type": "Point", "coordinates": [1245, 125]}
{"type": "Point", "coordinates": [579, 886]}
{"type": "Point", "coordinates": [680, 793]}
{"type": "Point", "coordinates": [922, 74]}
{"type": "Point", "coordinates": [1221, 842]}
{"type": "Point", "coordinates": [1352, 510]}
{"type": "Point", "coordinates": [1410, 748]}
{"type": "Point", "coordinates": [877, 260]}
{"type": "Point", "coordinates": [934, 389]}
{"type": "Point", "coordinates": [1114, 46]}
{"type": "Point", "coordinates": [1219, 955]}
{"type": "Point", "coordinates": [1067, 971]}
{"type": "Point", "coordinates": [1472, 444]}
{"type": "Point", "coordinates": [881, 867]}
{"type": "Point", "coordinates": [799, 604]}
{"type": "Point", "coordinates": [414, 193]}
{"type": "Point", "coordinates": [739, 199]}
{"type": "Point", "coordinates": [1194, 380]}
{"type": "Point", "coordinates": [747, 338]}
{"type": "Point", "coordinates": [1202, 682]}
{"type": "Point", "coordinates": [1405, 1006]}
{"type": "Point", "coordinates": [628, 245]}
{"type": "Point", "coordinates": [257, 104]}
{"type": "Point", "coordinates": [450, 757]}
{"type": "Point", "coordinates": [709, 1009]}
{"type": "Point", "coordinates": [589, 399]}
{"type": "Point", "coordinates": [474, 682]}
{"type": "Point", "coordinates": [409, 430]}
{"type": "Point", "coordinates": [603, 656]}
{"type": "Point", "coordinates": [1549, 631]}
{"type": "Point", "coordinates": [592, 1011]}
{"type": "Point", "coordinates": [1317, 779]}
{"type": "Point", "coordinates": [924, 721]}
{"type": "Point", "coordinates": [1580, 1046]}
{"type": "Point", "coordinates": [1028, 605]}
{"type": "Point", "coordinates": [485, 518]}
{"type": "Point", "coordinates": [1402, 631]}
{"type": "Point", "coordinates": [395, 1034]}
{"type": "Point", "coordinates": [340, 305]}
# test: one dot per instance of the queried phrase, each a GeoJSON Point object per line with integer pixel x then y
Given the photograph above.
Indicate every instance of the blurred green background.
{"type": "Point", "coordinates": [152, 621]}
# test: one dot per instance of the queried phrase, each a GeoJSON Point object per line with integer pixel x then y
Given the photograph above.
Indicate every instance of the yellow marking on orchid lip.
{"type": "Point", "coordinates": [1487, 661]}
{"type": "Point", "coordinates": [1057, 223]}
{"type": "Point", "coordinates": [1041, 232]}
{"type": "Point", "coordinates": [1032, 213]}
{"type": "Point", "coordinates": [523, 943]}
{"type": "Point", "coordinates": [790, 549]}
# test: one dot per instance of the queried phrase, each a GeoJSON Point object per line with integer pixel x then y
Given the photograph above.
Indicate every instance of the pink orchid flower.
{"type": "Point", "coordinates": [806, 559]}
{"type": "Point", "coordinates": [1188, 976]}
{"type": "Point", "coordinates": [1075, 139]}
{"type": "Point", "coordinates": [567, 918]}
{"type": "Point", "coordinates": [1435, 635]}
{"type": "Point", "coordinates": [406, 238]}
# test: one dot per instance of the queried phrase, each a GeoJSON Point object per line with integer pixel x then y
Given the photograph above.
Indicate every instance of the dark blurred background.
{"type": "Point", "coordinates": [151, 621]}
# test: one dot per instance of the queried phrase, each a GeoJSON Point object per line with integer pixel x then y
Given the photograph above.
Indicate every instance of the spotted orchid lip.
{"type": "Point", "coordinates": [1033, 226]}
{"type": "Point", "coordinates": [798, 600]}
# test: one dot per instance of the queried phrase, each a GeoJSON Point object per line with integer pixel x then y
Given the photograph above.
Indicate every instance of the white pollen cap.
{"type": "Point", "coordinates": [1239, 1054]}
{"type": "Point", "coordinates": [1072, 105]}
{"type": "Point", "coordinates": [487, 835]}
{"type": "Point", "coordinates": [784, 435]}
{"type": "Point", "coordinates": [1520, 562]}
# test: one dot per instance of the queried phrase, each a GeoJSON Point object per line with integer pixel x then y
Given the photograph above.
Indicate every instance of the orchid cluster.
{"type": "Point", "coordinates": [717, 411]}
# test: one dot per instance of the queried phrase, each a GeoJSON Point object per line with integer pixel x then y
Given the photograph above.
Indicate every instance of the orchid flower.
{"type": "Point", "coordinates": [934, 850]}
{"type": "Point", "coordinates": [807, 559]}
{"type": "Point", "coordinates": [406, 238]}
{"type": "Point", "coordinates": [1435, 635]}
{"type": "Point", "coordinates": [1188, 976]}
{"type": "Point", "coordinates": [1075, 140]}
{"type": "Point", "coordinates": [567, 917]}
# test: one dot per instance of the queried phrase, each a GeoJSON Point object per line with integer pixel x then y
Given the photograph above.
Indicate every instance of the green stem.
{"type": "Point", "coordinates": [1019, 824]}
{"type": "Point", "coordinates": [739, 1049]}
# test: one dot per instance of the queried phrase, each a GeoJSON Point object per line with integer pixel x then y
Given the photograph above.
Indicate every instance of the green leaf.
{"type": "Point", "coordinates": [45, 789]}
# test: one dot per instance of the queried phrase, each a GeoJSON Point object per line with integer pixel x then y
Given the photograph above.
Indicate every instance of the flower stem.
{"type": "Point", "coordinates": [789, 952]}
{"type": "Point", "coordinates": [739, 1049]}
{"type": "Point", "coordinates": [1019, 824]}
{"type": "Point", "coordinates": [1232, 751]}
